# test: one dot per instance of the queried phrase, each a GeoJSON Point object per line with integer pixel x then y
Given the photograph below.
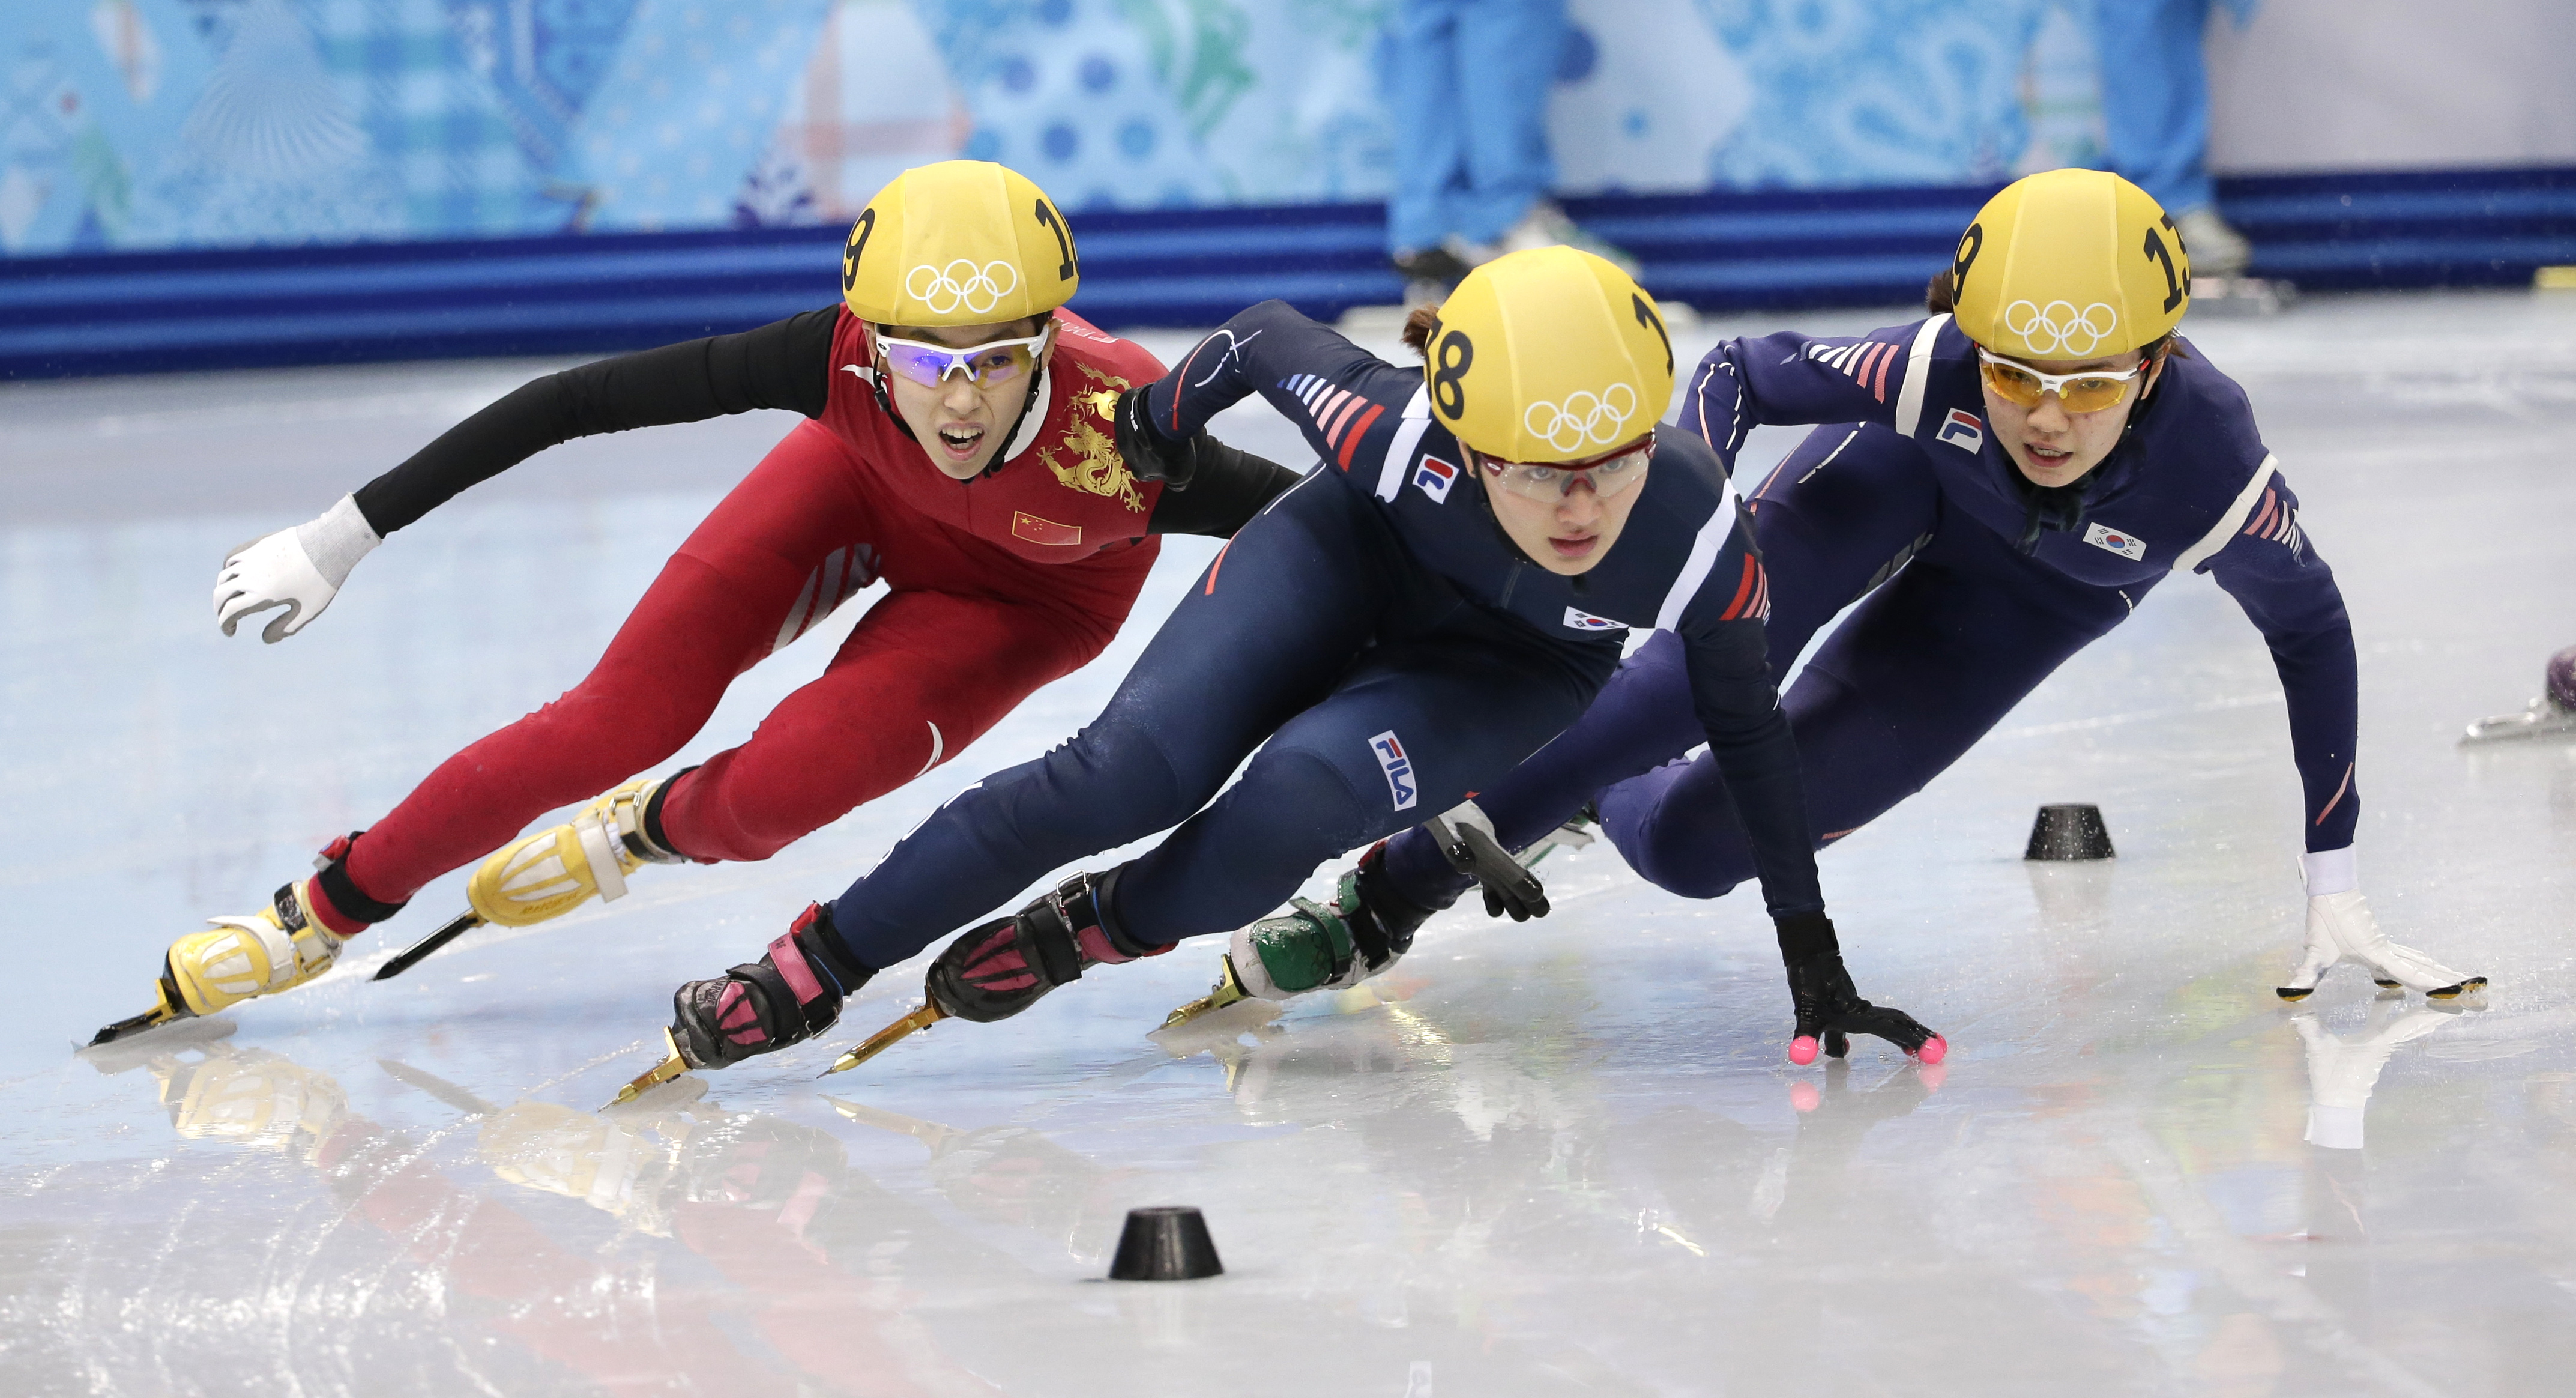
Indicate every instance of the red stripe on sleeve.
{"type": "Point", "coordinates": [1216, 563]}
{"type": "Point", "coordinates": [1359, 429]}
{"type": "Point", "coordinates": [1342, 414]}
{"type": "Point", "coordinates": [1743, 590]}
{"type": "Point", "coordinates": [1879, 388]}
{"type": "Point", "coordinates": [2264, 515]}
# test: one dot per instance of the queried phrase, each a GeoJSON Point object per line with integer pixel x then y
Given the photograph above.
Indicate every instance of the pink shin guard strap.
{"type": "Point", "coordinates": [789, 957]}
{"type": "Point", "coordinates": [1095, 945]}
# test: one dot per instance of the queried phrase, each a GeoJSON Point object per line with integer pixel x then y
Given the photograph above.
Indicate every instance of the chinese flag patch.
{"type": "Point", "coordinates": [1043, 531]}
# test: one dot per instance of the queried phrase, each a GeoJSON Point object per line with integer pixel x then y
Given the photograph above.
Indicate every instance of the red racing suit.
{"type": "Point", "coordinates": [999, 584]}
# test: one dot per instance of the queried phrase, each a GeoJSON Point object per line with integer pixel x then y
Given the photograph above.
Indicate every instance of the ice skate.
{"type": "Point", "coordinates": [557, 869]}
{"type": "Point", "coordinates": [2552, 715]}
{"type": "Point", "coordinates": [2341, 928]}
{"type": "Point", "coordinates": [792, 993]}
{"type": "Point", "coordinates": [281, 947]}
{"type": "Point", "coordinates": [1004, 966]}
{"type": "Point", "coordinates": [1363, 932]}
{"type": "Point", "coordinates": [2546, 718]}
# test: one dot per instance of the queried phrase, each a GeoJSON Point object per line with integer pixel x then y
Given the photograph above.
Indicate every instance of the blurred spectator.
{"type": "Point", "coordinates": [2155, 118]}
{"type": "Point", "coordinates": [1467, 88]}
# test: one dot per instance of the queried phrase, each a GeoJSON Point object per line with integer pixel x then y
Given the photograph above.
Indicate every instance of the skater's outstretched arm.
{"type": "Point", "coordinates": [2272, 568]}
{"type": "Point", "coordinates": [296, 572]}
{"type": "Point", "coordinates": [1336, 392]}
{"type": "Point", "coordinates": [1794, 379]}
{"type": "Point", "coordinates": [785, 364]}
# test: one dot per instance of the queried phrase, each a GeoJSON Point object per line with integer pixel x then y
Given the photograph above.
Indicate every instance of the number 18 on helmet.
{"type": "Point", "coordinates": [1550, 355]}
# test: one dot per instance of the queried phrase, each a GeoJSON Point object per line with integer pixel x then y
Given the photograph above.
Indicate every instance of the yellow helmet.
{"type": "Point", "coordinates": [1548, 355]}
{"type": "Point", "coordinates": [2070, 264]}
{"type": "Point", "coordinates": [962, 242]}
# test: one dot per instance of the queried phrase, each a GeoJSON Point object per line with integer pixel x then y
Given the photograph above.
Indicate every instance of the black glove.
{"type": "Point", "coordinates": [1829, 1007]}
{"type": "Point", "coordinates": [1508, 887]}
{"type": "Point", "coordinates": [1151, 455]}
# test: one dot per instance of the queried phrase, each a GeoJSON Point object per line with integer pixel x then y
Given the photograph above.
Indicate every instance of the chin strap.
{"type": "Point", "coordinates": [1024, 433]}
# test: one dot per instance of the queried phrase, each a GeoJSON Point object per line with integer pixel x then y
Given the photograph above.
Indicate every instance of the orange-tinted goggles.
{"type": "Point", "coordinates": [2087, 392]}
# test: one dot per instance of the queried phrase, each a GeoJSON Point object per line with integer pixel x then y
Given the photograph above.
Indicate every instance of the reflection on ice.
{"type": "Point", "coordinates": [2343, 1068]}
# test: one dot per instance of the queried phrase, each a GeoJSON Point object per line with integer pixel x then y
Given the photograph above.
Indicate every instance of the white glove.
{"type": "Point", "coordinates": [2341, 1072]}
{"type": "Point", "coordinates": [2340, 928]}
{"type": "Point", "coordinates": [300, 569]}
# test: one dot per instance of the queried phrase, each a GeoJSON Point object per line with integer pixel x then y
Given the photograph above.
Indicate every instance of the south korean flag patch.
{"type": "Point", "coordinates": [2128, 546]}
{"type": "Point", "coordinates": [1582, 620]}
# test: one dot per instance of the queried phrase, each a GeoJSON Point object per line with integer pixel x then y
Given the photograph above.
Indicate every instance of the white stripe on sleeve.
{"type": "Point", "coordinates": [1909, 399]}
{"type": "Point", "coordinates": [1703, 556]}
{"type": "Point", "coordinates": [2229, 522]}
{"type": "Point", "coordinates": [1408, 435]}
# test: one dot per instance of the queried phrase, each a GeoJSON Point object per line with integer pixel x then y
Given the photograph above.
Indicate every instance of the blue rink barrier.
{"type": "Point", "coordinates": [242, 308]}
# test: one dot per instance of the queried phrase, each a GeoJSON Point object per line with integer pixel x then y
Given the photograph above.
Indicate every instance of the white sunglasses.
{"type": "Point", "coordinates": [994, 361]}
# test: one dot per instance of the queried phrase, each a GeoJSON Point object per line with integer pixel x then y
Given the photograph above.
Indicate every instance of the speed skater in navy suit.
{"type": "Point", "coordinates": [2001, 485]}
{"type": "Point", "coordinates": [1444, 594]}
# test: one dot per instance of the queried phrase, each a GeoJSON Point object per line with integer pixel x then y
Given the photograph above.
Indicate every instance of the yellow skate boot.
{"type": "Point", "coordinates": [280, 948]}
{"type": "Point", "coordinates": [555, 870]}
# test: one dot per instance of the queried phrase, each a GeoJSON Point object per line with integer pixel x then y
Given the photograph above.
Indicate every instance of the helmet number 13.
{"type": "Point", "coordinates": [1063, 240]}
{"type": "Point", "coordinates": [2156, 252]}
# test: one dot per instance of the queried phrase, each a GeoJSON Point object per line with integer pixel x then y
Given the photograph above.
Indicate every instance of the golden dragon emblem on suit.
{"type": "Point", "coordinates": [1096, 466]}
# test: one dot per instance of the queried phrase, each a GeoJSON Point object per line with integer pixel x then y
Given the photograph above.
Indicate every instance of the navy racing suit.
{"type": "Point", "coordinates": [1381, 642]}
{"type": "Point", "coordinates": [1977, 586]}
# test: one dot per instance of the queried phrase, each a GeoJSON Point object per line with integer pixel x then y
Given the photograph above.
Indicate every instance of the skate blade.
{"type": "Point", "coordinates": [2454, 992]}
{"type": "Point", "coordinates": [412, 955]}
{"type": "Point", "coordinates": [886, 1038]}
{"type": "Point", "coordinates": [152, 1018]}
{"type": "Point", "coordinates": [671, 1067]}
{"type": "Point", "coordinates": [1228, 990]}
{"type": "Point", "coordinates": [2541, 720]}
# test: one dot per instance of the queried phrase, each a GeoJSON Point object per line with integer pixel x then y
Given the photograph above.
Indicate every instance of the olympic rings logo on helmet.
{"type": "Point", "coordinates": [961, 283]}
{"type": "Point", "coordinates": [1583, 417]}
{"type": "Point", "coordinates": [2058, 326]}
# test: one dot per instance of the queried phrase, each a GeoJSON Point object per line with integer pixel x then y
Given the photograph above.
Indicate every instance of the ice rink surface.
{"type": "Point", "coordinates": [1567, 1157]}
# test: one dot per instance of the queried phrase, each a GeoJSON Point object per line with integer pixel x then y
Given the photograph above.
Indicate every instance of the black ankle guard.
{"type": "Point", "coordinates": [658, 848]}
{"type": "Point", "coordinates": [1053, 926]}
{"type": "Point", "coordinates": [823, 946]}
{"type": "Point", "coordinates": [345, 895]}
{"type": "Point", "coordinates": [1383, 924]}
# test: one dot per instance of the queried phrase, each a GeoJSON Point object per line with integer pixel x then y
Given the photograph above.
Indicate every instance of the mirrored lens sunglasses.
{"type": "Point", "coordinates": [995, 361]}
{"type": "Point", "coordinates": [2087, 392]}
{"type": "Point", "coordinates": [1610, 473]}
